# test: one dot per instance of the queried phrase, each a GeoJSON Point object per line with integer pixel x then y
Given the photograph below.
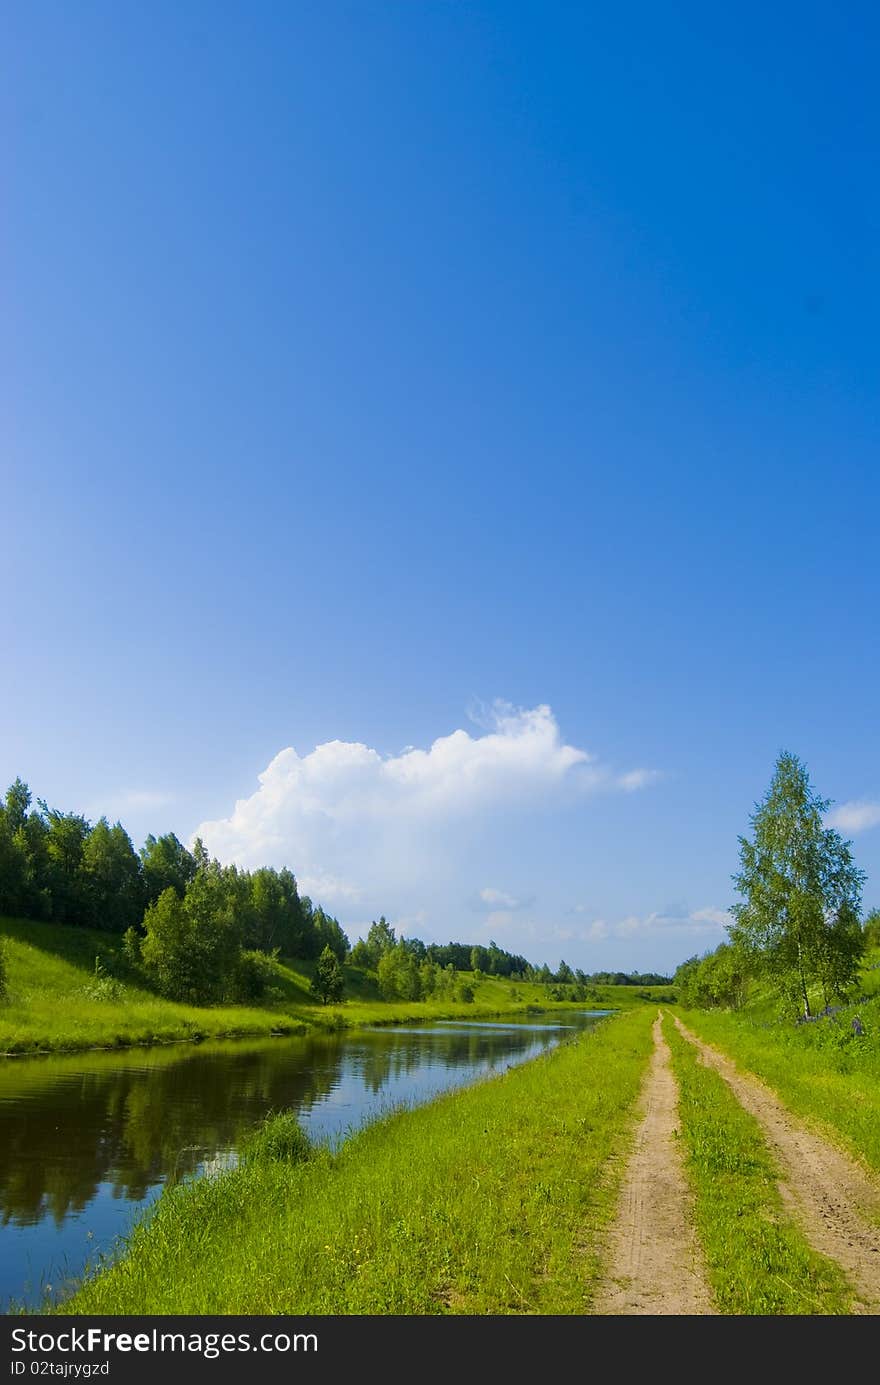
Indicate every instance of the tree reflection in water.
{"type": "Point", "coordinates": [124, 1124]}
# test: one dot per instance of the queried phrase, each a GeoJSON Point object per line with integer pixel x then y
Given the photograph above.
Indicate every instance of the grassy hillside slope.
{"type": "Point", "coordinates": [56, 999]}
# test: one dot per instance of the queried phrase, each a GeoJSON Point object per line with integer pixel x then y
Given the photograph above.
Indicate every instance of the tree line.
{"type": "Point", "coordinates": [197, 928]}
{"type": "Point", "coordinates": [797, 927]}
{"type": "Point", "coordinates": [409, 969]}
{"type": "Point", "coordinates": [200, 931]}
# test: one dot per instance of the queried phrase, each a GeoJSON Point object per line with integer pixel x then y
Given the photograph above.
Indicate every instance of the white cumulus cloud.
{"type": "Point", "coordinates": [386, 831]}
{"type": "Point", "coordinates": [856, 816]}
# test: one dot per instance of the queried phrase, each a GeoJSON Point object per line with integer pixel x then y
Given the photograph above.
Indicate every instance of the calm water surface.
{"type": "Point", "coordinates": [88, 1141]}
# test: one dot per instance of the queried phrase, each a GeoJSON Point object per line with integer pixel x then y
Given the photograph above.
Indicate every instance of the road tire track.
{"type": "Point", "coordinates": [654, 1261]}
{"type": "Point", "coordinates": [835, 1202]}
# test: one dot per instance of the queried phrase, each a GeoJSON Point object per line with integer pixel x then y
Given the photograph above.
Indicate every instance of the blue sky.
{"type": "Point", "coordinates": [478, 387]}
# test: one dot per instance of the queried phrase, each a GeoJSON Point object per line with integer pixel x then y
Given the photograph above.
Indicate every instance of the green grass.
{"type": "Point", "coordinates": [757, 1260]}
{"type": "Point", "coordinates": [54, 1004]}
{"type": "Point", "coordinates": [822, 1070]}
{"type": "Point", "coordinates": [489, 1200]}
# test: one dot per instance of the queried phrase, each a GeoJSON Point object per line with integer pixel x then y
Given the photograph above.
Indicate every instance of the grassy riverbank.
{"type": "Point", "coordinates": [489, 1200]}
{"type": "Point", "coordinates": [56, 1002]}
{"type": "Point", "coordinates": [757, 1260]}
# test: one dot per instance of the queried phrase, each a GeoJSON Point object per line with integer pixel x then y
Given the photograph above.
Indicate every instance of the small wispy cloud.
{"type": "Point", "coordinates": [635, 779]}
{"type": "Point", "coordinates": [661, 923]}
{"type": "Point", "coordinates": [858, 815]}
{"type": "Point", "coordinates": [123, 801]}
{"type": "Point", "coordinates": [719, 917]}
{"type": "Point", "coordinates": [328, 889]}
{"type": "Point", "coordinates": [491, 899]}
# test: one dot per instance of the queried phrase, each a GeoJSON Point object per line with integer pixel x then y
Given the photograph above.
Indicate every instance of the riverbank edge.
{"type": "Point", "coordinates": [303, 1027]}
{"type": "Point", "coordinates": [493, 1198]}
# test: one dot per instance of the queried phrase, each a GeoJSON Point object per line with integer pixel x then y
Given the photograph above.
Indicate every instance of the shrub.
{"type": "Point", "coordinates": [102, 986]}
{"type": "Point", "coordinates": [328, 982]}
{"type": "Point", "coordinates": [255, 976]}
{"type": "Point", "coordinates": [131, 947]}
{"type": "Point", "coordinates": [280, 1137]}
{"type": "Point", "coordinates": [192, 945]}
{"type": "Point", "coordinates": [4, 972]}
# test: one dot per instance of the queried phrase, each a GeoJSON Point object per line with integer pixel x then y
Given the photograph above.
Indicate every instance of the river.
{"type": "Point", "coordinates": [88, 1141]}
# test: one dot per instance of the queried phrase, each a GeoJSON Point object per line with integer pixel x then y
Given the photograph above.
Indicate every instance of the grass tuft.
{"type": "Point", "coordinates": [280, 1137]}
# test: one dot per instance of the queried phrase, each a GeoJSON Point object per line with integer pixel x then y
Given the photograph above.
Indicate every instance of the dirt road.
{"type": "Point", "coordinates": [655, 1266]}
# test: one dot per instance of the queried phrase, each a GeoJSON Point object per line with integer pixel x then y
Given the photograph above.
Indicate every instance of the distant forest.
{"type": "Point", "coordinates": [203, 931]}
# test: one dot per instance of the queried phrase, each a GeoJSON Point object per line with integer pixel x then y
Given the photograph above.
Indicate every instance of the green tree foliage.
{"type": "Point", "coordinates": [24, 858]}
{"type": "Point", "coordinates": [399, 973]}
{"type": "Point", "coordinates": [56, 866]}
{"type": "Point", "coordinates": [501, 963]}
{"type": "Point", "coordinates": [12, 891]}
{"type": "Point", "coordinates": [445, 980]}
{"type": "Point", "coordinates": [192, 944]}
{"type": "Point", "coordinates": [871, 928]}
{"type": "Point", "coordinates": [18, 802]}
{"type": "Point", "coordinates": [131, 947]}
{"type": "Point", "coordinates": [455, 955]}
{"type": "Point", "coordinates": [493, 961]}
{"type": "Point", "coordinates": [165, 864]}
{"type": "Point", "coordinates": [4, 971]}
{"type": "Point", "coordinates": [66, 837]}
{"type": "Point", "coordinates": [328, 982]}
{"type": "Point", "coordinates": [429, 977]}
{"type": "Point", "coordinates": [275, 917]}
{"type": "Point", "coordinates": [623, 978]}
{"type": "Point", "coordinates": [31, 841]}
{"type": "Point", "coordinates": [111, 886]}
{"type": "Point", "coordinates": [380, 939]}
{"type": "Point", "coordinates": [327, 932]}
{"type": "Point", "coordinates": [361, 956]}
{"type": "Point", "coordinates": [718, 979]}
{"type": "Point", "coordinates": [798, 924]}
{"type": "Point", "coordinates": [480, 959]}
{"type": "Point", "coordinates": [255, 976]}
